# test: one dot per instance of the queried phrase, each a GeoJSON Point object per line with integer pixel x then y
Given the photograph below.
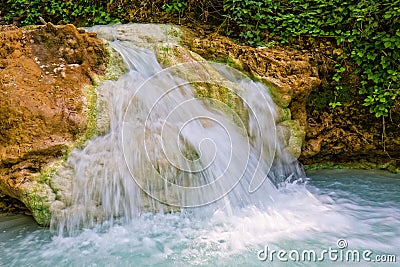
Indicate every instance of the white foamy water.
{"type": "Point", "coordinates": [181, 180]}
{"type": "Point", "coordinates": [169, 149]}
{"type": "Point", "coordinates": [360, 207]}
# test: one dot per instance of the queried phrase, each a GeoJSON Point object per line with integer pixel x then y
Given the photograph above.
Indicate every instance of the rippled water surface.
{"type": "Point", "coordinates": [361, 209]}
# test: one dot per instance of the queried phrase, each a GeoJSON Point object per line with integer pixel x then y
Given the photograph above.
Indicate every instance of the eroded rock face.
{"type": "Point", "coordinates": [44, 72]}
{"type": "Point", "coordinates": [298, 82]}
{"type": "Point", "coordinates": [288, 74]}
{"type": "Point", "coordinates": [347, 134]}
{"type": "Point", "coordinates": [351, 135]}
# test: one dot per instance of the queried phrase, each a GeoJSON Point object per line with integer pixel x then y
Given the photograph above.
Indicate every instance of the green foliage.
{"type": "Point", "coordinates": [81, 12]}
{"type": "Point", "coordinates": [368, 31]}
{"type": "Point", "coordinates": [176, 6]}
{"type": "Point", "coordinates": [338, 88]}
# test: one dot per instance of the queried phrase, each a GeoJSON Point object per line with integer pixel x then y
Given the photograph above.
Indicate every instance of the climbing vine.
{"type": "Point", "coordinates": [368, 32]}
{"type": "Point", "coordinates": [83, 12]}
{"type": "Point", "coordinates": [176, 6]}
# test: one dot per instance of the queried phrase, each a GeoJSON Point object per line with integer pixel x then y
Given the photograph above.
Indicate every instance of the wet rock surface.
{"type": "Point", "coordinates": [289, 75]}
{"type": "Point", "coordinates": [351, 135]}
{"type": "Point", "coordinates": [44, 72]}
{"type": "Point", "coordinates": [300, 83]}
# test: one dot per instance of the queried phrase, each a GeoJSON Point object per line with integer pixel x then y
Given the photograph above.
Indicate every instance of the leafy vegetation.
{"type": "Point", "coordinates": [176, 6]}
{"type": "Point", "coordinates": [368, 31]}
{"type": "Point", "coordinates": [83, 12]}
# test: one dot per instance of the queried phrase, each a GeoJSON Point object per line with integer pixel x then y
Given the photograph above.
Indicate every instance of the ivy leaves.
{"type": "Point", "coordinates": [368, 31]}
{"type": "Point", "coordinates": [176, 6]}
{"type": "Point", "coordinates": [89, 12]}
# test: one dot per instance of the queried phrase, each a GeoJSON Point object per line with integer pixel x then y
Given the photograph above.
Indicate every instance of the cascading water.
{"type": "Point", "coordinates": [216, 163]}
{"type": "Point", "coordinates": [168, 149]}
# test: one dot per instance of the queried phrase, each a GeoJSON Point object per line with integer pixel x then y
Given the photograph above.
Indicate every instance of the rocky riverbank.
{"type": "Point", "coordinates": [45, 77]}
{"type": "Point", "coordinates": [345, 136]}
{"type": "Point", "coordinates": [46, 86]}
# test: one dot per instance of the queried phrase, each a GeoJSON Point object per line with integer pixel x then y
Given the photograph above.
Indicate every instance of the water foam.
{"type": "Point", "coordinates": [169, 149]}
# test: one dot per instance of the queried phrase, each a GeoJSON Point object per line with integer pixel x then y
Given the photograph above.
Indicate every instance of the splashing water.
{"type": "Point", "coordinates": [359, 208]}
{"type": "Point", "coordinates": [217, 173]}
{"type": "Point", "coordinates": [168, 148]}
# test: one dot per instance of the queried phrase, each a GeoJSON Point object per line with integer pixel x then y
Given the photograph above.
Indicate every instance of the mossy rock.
{"type": "Point", "coordinates": [281, 95]}
{"type": "Point", "coordinates": [296, 138]}
{"type": "Point", "coordinates": [37, 198]}
{"type": "Point", "coordinates": [209, 84]}
{"type": "Point", "coordinates": [282, 114]}
{"type": "Point", "coordinates": [116, 65]}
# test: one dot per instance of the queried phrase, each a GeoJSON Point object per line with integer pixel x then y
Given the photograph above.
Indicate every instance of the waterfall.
{"type": "Point", "coordinates": [170, 148]}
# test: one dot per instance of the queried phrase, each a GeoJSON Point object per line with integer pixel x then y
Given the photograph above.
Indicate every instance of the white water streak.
{"type": "Point", "coordinates": [167, 149]}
